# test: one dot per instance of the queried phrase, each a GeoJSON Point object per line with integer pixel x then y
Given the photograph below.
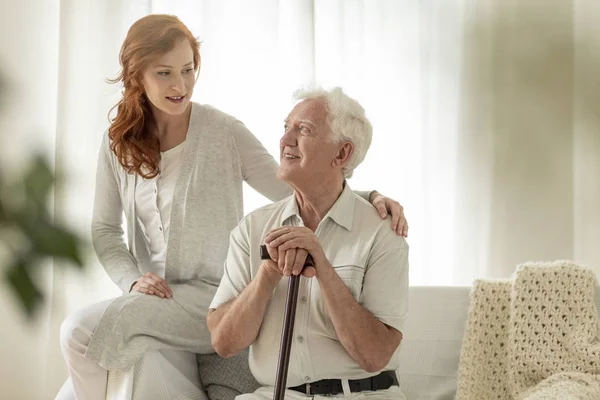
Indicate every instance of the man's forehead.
{"type": "Point", "coordinates": [311, 109]}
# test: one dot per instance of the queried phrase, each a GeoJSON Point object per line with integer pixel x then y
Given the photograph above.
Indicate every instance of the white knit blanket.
{"type": "Point", "coordinates": [535, 337]}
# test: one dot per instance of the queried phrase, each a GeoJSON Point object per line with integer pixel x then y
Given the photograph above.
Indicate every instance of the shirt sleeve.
{"type": "Point", "coordinates": [385, 285]}
{"type": "Point", "coordinates": [237, 273]}
{"type": "Point", "coordinates": [259, 168]}
{"type": "Point", "coordinates": [107, 223]}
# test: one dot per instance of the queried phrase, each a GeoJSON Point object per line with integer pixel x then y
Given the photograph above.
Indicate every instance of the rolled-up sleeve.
{"type": "Point", "coordinates": [385, 285]}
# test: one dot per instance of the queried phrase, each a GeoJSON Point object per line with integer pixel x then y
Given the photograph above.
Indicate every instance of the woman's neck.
{"type": "Point", "coordinates": [171, 130]}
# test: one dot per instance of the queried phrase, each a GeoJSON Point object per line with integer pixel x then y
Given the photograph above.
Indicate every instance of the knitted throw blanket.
{"type": "Point", "coordinates": [533, 338]}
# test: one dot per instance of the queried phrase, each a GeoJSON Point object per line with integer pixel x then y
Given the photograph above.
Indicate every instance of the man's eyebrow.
{"type": "Point", "coordinates": [170, 66]}
{"type": "Point", "coordinates": [308, 121]}
{"type": "Point", "coordinates": [302, 121]}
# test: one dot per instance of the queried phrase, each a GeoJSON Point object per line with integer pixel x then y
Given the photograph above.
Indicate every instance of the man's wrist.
{"type": "Point", "coordinates": [267, 277]}
{"type": "Point", "coordinates": [324, 270]}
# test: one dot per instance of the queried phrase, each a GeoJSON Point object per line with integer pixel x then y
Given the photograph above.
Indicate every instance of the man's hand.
{"type": "Point", "coordinates": [152, 284]}
{"type": "Point", "coordinates": [385, 206]}
{"type": "Point", "coordinates": [291, 262]}
{"type": "Point", "coordinates": [287, 239]}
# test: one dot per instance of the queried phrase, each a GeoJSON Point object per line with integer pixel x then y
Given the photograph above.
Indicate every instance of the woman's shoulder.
{"type": "Point", "coordinates": [210, 113]}
{"type": "Point", "coordinates": [208, 119]}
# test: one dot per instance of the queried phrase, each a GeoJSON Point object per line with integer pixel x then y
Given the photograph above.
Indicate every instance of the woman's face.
{"type": "Point", "coordinates": [169, 81]}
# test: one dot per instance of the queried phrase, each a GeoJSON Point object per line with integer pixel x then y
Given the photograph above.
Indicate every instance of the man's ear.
{"type": "Point", "coordinates": [343, 155]}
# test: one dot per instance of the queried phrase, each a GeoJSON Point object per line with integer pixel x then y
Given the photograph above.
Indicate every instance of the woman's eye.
{"type": "Point", "coordinates": [187, 71]}
{"type": "Point", "coordinates": [164, 73]}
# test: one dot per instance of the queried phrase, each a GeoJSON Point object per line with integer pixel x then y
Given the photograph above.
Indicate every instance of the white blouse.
{"type": "Point", "coordinates": [153, 200]}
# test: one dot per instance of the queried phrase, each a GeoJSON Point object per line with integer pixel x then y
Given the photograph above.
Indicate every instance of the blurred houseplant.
{"type": "Point", "coordinates": [29, 238]}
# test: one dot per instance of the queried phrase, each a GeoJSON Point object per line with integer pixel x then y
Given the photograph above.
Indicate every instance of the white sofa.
{"type": "Point", "coordinates": [430, 350]}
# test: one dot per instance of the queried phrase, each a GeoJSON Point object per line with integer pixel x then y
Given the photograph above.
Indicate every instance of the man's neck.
{"type": "Point", "coordinates": [316, 202]}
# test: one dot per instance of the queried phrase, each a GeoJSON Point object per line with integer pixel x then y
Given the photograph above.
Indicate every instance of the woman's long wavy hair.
{"type": "Point", "coordinates": [149, 38]}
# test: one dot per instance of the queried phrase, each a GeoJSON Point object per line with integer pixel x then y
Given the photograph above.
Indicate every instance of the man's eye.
{"type": "Point", "coordinates": [305, 129]}
{"type": "Point", "coordinates": [164, 73]}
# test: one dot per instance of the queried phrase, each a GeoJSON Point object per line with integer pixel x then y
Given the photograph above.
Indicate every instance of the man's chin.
{"type": "Point", "coordinates": [284, 175]}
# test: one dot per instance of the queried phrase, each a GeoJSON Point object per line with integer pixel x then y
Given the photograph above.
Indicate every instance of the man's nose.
{"type": "Point", "coordinates": [289, 138]}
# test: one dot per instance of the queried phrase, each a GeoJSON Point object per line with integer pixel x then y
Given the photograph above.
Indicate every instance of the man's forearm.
{"type": "Point", "coordinates": [369, 342]}
{"type": "Point", "coordinates": [234, 325]}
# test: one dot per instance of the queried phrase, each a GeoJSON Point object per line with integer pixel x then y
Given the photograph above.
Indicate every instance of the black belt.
{"type": "Point", "coordinates": [384, 380]}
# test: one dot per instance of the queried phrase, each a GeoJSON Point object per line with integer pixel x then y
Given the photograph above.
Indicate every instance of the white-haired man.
{"type": "Point", "coordinates": [353, 303]}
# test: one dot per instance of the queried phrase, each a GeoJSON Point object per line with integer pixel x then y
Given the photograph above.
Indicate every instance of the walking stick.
{"type": "Point", "coordinates": [287, 333]}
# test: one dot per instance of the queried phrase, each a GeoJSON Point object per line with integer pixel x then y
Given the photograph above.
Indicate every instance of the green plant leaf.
{"type": "Point", "coordinates": [17, 275]}
{"type": "Point", "coordinates": [49, 240]}
{"type": "Point", "coordinates": [38, 181]}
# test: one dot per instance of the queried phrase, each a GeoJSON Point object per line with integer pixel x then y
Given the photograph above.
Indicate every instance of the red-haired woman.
{"type": "Point", "coordinates": [175, 169]}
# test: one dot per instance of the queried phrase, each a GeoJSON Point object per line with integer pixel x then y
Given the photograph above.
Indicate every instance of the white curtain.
{"type": "Point", "coordinates": [485, 116]}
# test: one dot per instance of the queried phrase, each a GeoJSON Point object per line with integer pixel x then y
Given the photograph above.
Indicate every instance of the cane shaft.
{"type": "Point", "coordinates": [287, 334]}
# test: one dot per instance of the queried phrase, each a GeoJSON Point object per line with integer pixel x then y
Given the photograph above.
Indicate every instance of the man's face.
{"type": "Point", "coordinates": [307, 152]}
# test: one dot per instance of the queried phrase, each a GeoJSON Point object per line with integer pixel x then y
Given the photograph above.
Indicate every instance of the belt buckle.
{"type": "Point", "coordinates": [308, 389]}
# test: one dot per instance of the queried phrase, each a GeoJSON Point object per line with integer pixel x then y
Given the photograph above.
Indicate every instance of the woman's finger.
{"type": "Point", "coordinates": [160, 286]}
{"type": "Point", "coordinates": [154, 290]}
{"type": "Point", "coordinates": [160, 283]}
{"type": "Point", "coordinates": [395, 209]}
{"type": "Point", "coordinates": [379, 204]}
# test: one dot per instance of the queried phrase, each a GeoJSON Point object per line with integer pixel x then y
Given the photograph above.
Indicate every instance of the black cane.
{"type": "Point", "coordinates": [287, 333]}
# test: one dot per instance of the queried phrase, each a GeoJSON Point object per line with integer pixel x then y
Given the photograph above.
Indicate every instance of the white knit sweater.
{"type": "Point", "coordinates": [535, 337]}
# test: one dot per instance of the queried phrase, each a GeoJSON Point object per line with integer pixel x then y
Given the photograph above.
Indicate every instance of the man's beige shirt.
{"type": "Point", "coordinates": [369, 257]}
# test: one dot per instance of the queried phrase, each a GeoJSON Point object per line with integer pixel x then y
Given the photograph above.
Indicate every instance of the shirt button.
{"type": "Point", "coordinates": [307, 378]}
{"type": "Point", "coordinates": [300, 339]}
{"type": "Point", "coordinates": [303, 299]}
{"type": "Point", "coordinates": [157, 210]}
{"type": "Point", "coordinates": [160, 228]}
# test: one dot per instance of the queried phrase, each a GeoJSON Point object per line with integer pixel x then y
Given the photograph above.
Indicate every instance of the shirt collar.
{"type": "Point", "coordinates": [342, 211]}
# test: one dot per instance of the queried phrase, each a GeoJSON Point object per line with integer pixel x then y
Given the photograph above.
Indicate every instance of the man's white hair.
{"type": "Point", "coordinates": [346, 119]}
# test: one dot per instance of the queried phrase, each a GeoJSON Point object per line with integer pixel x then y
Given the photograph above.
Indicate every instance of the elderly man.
{"type": "Point", "coordinates": [353, 303]}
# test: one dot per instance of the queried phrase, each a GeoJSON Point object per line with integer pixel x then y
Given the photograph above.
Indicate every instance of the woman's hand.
{"type": "Point", "coordinates": [152, 284]}
{"type": "Point", "coordinates": [385, 206]}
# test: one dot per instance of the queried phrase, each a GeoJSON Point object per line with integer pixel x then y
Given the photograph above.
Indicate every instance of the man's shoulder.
{"type": "Point", "coordinates": [369, 220]}
{"type": "Point", "coordinates": [265, 215]}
